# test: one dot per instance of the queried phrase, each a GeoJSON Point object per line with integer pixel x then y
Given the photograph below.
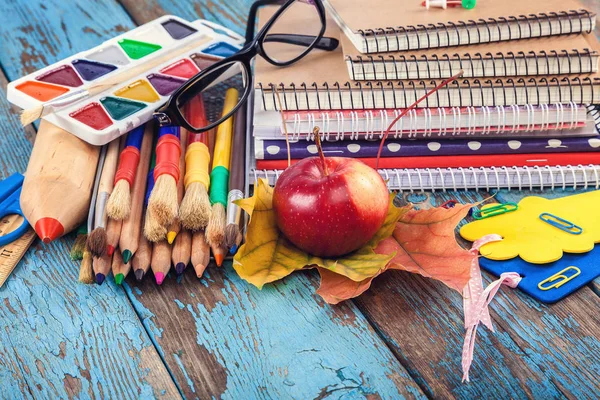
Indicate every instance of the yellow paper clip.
{"type": "Point", "coordinates": [497, 209]}
{"type": "Point", "coordinates": [559, 275]}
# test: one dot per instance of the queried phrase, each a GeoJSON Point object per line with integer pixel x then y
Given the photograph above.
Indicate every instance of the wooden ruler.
{"type": "Point", "coordinates": [11, 254]}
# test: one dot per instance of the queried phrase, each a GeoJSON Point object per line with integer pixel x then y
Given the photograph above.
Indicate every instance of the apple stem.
{"type": "Point", "coordinates": [320, 149]}
{"type": "Point", "coordinates": [409, 108]}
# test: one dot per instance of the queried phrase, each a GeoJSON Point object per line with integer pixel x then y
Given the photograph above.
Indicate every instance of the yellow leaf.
{"type": "Point", "coordinates": [359, 265]}
{"type": "Point", "coordinates": [248, 203]}
{"type": "Point", "coordinates": [267, 255]}
{"type": "Point", "coordinates": [393, 215]}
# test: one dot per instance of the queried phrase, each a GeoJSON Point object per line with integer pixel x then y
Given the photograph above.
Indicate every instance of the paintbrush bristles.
{"type": "Point", "coordinates": [231, 235]}
{"type": "Point", "coordinates": [119, 202]}
{"type": "Point", "coordinates": [96, 242]}
{"type": "Point", "coordinates": [153, 230]}
{"type": "Point", "coordinates": [195, 211]}
{"type": "Point", "coordinates": [32, 114]}
{"type": "Point", "coordinates": [78, 247]}
{"type": "Point", "coordinates": [163, 203]}
{"type": "Point", "coordinates": [86, 272]}
{"type": "Point", "coordinates": [215, 231]}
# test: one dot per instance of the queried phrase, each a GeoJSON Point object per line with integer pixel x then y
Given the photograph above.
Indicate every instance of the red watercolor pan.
{"type": "Point", "coordinates": [93, 115]}
{"type": "Point", "coordinates": [181, 69]}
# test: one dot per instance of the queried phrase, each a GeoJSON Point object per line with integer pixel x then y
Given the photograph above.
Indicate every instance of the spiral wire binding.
{"type": "Point", "coordinates": [479, 92]}
{"type": "Point", "coordinates": [472, 32]}
{"type": "Point", "coordinates": [476, 65]}
{"type": "Point", "coordinates": [439, 122]}
{"type": "Point", "coordinates": [454, 179]}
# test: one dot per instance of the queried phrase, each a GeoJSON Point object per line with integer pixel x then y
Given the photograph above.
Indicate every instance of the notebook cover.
{"type": "Point", "coordinates": [277, 149]}
{"type": "Point", "coordinates": [476, 161]}
{"type": "Point", "coordinates": [533, 274]}
{"type": "Point", "coordinates": [380, 14]}
{"type": "Point", "coordinates": [328, 67]}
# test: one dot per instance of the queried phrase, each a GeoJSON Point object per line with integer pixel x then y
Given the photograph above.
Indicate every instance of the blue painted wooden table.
{"type": "Point", "coordinates": [221, 338]}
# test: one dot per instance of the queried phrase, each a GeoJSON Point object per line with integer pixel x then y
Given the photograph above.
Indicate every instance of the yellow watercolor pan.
{"type": "Point", "coordinates": [140, 90]}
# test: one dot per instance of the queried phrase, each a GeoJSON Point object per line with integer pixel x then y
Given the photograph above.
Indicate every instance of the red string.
{"type": "Point", "coordinates": [412, 106]}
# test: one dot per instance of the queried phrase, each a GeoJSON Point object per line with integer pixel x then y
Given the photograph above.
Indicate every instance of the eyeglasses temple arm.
{"type": "Point", "coordinates": [325, 43]}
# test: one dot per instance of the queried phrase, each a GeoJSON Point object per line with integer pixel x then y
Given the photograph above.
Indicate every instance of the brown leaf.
{"type": "Point", "coordinates": [336, 288]}
{"type": "Point", "coordinates": [424, 243]}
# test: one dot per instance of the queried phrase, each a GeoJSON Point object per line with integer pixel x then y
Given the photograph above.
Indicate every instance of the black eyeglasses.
{"type": "Point", "coordinates": [282, 41]}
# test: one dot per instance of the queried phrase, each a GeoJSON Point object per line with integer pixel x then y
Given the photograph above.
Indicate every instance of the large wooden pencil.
{"type": "Point", "coordinates": [142, 258]}
{"type": "Point", "coordinates": [101, 267]}
{"type": "Point", "coordinates": [175, 226]}
{"type": "Point", "coordinates": [120, 269]}
{"type": "Point", "coordinates": [113, 233]}
{"type": "Point", "coordinates": [58, 183]}
{"type": "Point", "coordinates": [200, 253]}
{"type": "Point", "coordinates": [182, 251]}
{"type": "Point", "coordinates": [130, 232]}
{"type": "Point", "coordinates": [97, 236]}
{"type": "Point", "coordinates": [161, 260]}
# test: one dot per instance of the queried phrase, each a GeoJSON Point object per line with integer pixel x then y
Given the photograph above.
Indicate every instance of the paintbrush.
{"type": "Point", "coordinates": [175, 226]}
{"type": "Point", "coordinates": [236, 182]}
{"type": "Point", "coordinates": [30, 115]}
{"type": "Point", "coordinates": [96, 241]}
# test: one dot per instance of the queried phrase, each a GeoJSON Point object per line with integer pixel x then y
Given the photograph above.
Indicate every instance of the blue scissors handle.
{"type": "Point", "coordinates": [11, 205]}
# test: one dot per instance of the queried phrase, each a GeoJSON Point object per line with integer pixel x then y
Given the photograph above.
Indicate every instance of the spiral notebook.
{"type": "Point", "coordinates": [387, 25]}
{"type": "Point", "coordinates": [555, 120]}
{"type": "Point", "coordinates": [512, 178]}
{"type": "Point", "coordinates": [319, 81]}
{"type": "Point", "coordinates": [566, 54]}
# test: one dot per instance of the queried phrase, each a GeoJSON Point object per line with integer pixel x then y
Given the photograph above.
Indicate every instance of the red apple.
{"type": "Point", "coordinates": [330, 207]}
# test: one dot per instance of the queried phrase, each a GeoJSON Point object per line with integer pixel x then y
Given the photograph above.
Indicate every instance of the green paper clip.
{"type": "Point", "coordinates": [559, 275]}
{"type": "Point", "coordinates": [561, 223]}
{"type": "Point", "coordinates": [498, 209]}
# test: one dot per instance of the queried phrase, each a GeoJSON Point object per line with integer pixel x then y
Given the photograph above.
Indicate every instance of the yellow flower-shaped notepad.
{"type": "Point", "coordinates": [534, 240]}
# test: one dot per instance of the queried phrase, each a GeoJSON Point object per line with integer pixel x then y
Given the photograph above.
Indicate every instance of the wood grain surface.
{"type": "Point", "coordinates": [221, 338]}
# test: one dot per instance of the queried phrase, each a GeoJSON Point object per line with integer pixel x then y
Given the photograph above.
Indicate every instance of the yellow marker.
{"type": "Point", "coordinates": [559, 275]}
{"type": "Point", "coordinates": [140, 90]}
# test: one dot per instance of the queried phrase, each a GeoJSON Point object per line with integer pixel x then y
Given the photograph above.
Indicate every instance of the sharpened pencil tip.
{"type": "Point", "coordinates": [171, 237]}
{"type": "Point", "coordinates": [233, 249]}
{"type": "Point", "coordinates": [139, 274]}
{"type": "Point", "coordinates": [160, 277]}
{"type": "Point", "coordinates": [49, 229]}
{"type": "Point", "coordinates": [119, 279]}
{"type": "Point", "coordinates": [100, 279]}
{"type": "Point", "coordinates": [179, 268]}
{"type": "Point", "coordinates": [110, 250]}
{"type": "Point", "coordinates": [219, 259]}
{"type": "Point", "coordinates": [127, 256]}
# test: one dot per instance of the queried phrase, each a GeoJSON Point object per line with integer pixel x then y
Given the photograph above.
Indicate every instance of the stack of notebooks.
{"type": "Point", "coordinates": [522, 116]}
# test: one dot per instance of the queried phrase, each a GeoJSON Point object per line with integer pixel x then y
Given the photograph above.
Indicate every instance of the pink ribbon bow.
{"type": "Point", "coordinates": [476, 301]}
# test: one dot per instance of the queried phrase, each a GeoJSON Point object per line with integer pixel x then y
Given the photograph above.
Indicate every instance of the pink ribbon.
{"type": "Point", "coordinates": [476, 301]}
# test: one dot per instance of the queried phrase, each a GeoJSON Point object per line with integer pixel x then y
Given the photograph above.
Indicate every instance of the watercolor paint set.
{"type": "Point", "coordinates": [104, 116]}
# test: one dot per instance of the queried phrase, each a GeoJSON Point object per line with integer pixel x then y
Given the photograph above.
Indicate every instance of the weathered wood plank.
{"type": "Point", "coordinates": [58, 338]}
{"type": "Point", "coordinates": [225, 339]}
{"type": "Point", "coordinates": [537, 351]}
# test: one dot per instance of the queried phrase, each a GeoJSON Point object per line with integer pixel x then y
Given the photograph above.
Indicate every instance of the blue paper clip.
{"type": "Point", "coordinates": [561, 223]}
{"type": "Point", "coordinates": [497, 209]}
{"type": "Point", "coordinates": [559, 275]}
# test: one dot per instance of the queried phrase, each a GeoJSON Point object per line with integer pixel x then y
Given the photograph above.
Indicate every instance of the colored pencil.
{"type": "Point", "coordinates": [163, 205]}
{"type": "Point", "coordinates": [219, 176]}
{"type": "Point", "coordinates": [182, 251]}
{"type": "Point", "coordinates": [175, 226]}
{"type": "Point", "coordinates": [195, 206]}
{"type": "Point", "coordinates": [130, 232]}
{"type": "Point", "coordinates": [200, 253]}
{"type": "Point", "coordinates": [119, 204]}
{"type": "Point", "coordinates": [161, 260]}
{"type": "Point", "coordinates": [101, 267]}
{"type": "Point", "coordinates": [236, 181]}
{"type": "Point", "coordinates": [142, 257]}
{"type": "Point", "coordinates": [120, 268]}
{"type": "Point", "coordinates": [97, 238]}
{"type": "Point", "coordinates": [113, 233]}
{"type": "Point", "coordinates": [58, 183]}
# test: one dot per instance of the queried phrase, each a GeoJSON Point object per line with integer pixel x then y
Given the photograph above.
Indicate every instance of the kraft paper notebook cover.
{"type": "Point", "coordinates": [387, 25]}
{"type": "Point", "coordinates": [320, 81]}
{"type": "Point", "coordinates": [566, 54]}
